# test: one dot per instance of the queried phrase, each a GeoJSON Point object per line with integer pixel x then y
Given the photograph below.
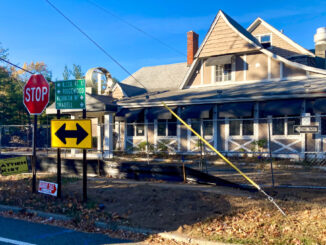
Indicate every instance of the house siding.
{"type": "Point", "coordinates": [207, 70]}
{"type": "Point", "coordinates": [290, 71]}
{"type": "Point", "coordinates": [240, 68]}
{"type": "Point", "coordinates": [117, 93]}
{"type": "Point", "coordinates": [275, 69]}
{"type": "Point", "coordinates": [195, 79]}
{"type": "Point", "coordinates": [223, 39]}
{"type": "Point", "coordinates": [279, 45]}
{"type": "Point", "coordinates": [257, 67]}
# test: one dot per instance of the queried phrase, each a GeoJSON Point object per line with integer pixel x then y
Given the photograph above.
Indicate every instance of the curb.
{"type": "Point", "coordinates": [112, 226]}
{"type": "Point", "coordinates": [38, 213]}
{"type": "Point", "coordinates": [115, 227]}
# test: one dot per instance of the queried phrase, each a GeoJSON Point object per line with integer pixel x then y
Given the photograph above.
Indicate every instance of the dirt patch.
{"type": "Point", "coordinates": [158, 208]}
{"type": "Point", "coordinates": [213, 213]}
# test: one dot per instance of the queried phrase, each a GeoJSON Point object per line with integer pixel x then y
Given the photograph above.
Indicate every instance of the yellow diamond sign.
{"type": "Point", "coordinates": [71, 134]}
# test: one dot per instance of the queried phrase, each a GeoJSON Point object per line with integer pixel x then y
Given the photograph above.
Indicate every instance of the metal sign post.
{"type": "Point", "coordinates": [36, 98]}
{"type": "Point", "coordinates": [59, 164]}
{"type": "Point", "coordinates": [70, 94]}
{"type": "Point", "coordinates": [85, 167]}
{"type": "Point", "coordinates": [34, 155]}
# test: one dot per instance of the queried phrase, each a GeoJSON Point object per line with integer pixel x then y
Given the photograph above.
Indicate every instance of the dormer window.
{"type": "Point", "coordinates": [265, 40]}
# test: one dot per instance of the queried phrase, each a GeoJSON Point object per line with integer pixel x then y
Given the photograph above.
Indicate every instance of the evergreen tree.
{"type": "Point", "coordinates": [66, 73]}
{"type": "Point", "coordinates": [77, 72]}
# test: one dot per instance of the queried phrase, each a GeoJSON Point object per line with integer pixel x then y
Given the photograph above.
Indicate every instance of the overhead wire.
{"type": "Point", "coordinates": [8, 62]}
{"type": "Point", "coordinates": [94, 42]}
{"type": "Point", "coordinates": [135, 27]}
{"type": "Point", "coordinates": [23, 69]}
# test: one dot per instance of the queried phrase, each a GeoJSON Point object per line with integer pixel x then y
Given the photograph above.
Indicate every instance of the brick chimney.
{"type": "Point", "coordinates": [192, 46]}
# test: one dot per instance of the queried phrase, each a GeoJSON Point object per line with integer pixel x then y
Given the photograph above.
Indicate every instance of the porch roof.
{"type": "Point", "coordinates": [236, 92]}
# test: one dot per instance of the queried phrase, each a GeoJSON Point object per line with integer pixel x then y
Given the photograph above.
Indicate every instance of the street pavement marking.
{"type": "Point", "coordinates": [3, 239]}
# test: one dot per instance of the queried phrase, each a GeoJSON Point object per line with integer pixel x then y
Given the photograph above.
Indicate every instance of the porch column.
{"type": "Point", "coordinates": [99, 135]}
{"type": "Point", "coordinates": [108, 136]}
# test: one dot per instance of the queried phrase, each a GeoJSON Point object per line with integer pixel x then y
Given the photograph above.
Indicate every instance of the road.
{"type": "Point", "coordinates": [22, 232]}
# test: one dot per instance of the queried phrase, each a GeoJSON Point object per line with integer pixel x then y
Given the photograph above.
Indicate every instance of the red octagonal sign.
{"type": "Point", "coordinates": [36, 94]}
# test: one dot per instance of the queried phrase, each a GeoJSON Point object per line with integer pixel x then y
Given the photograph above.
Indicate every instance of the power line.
{"type": "Point", "coordinates": [16, 66]}
{"type": "Point", "coordinates": [94, 42]}
{"type": "Point", "coordinates": [8, 62]}
{"type": "Point", "coordinates": [135, 27]}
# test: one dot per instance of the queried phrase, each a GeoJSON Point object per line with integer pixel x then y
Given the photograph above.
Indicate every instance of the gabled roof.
{"type": "Point", "coordinates": [251, 40]}
{"type": "Point", "coordinates": [237, 28]}
{"type": "Point", "coordinates": [154, 78]}
{"type": "Point", "coordinates": [259, 21]}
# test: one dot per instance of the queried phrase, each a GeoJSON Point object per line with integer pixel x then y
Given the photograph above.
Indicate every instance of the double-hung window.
{"type": "Point", "coordinates": [241, 127]}
{"type": "Point", "coordinates": [285, 126]}
{"type": "Point", "coordinates": [135, 129]}
{"type": "Point", "coordinates": [223, 73]}
{"type": "Point", "coordinates": [167, 127]}
{"type": "Point", "coordinates": [202, 127]}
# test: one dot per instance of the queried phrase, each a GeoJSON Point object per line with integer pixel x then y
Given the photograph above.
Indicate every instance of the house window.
{"type": "Point", "coordinates": [223, 73]}
{"type": "Point", "coordinates": [167, 127]}
{"type": "Point", "coordinates": [202, 127]}
{"type": "Point", "coordinates": [265, 40]}
{"type": "Point", "coordinates": [323, 125]}
{"type": "Point", "coordinates": [195, 124]}
{"type": "Point", "coordinates": [285, 126]}
{"type": "Point", "coordinates": [208, 128]}
{"type": "Point", "coordinates": [278, 126]}
{"type": "Point", "coordinates": [243, 127]}
{"type": "Point", "coordinates": [136, 129]}
{"type": "Point", "coordinates": [290, 124]}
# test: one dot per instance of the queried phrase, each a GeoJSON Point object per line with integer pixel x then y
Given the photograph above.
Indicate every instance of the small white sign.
{"type": "Point", "coordinates": [48, 188]}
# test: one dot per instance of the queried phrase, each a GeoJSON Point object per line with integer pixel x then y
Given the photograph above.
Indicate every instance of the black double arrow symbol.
{"type": "Point", "coordinates": [80, 134]}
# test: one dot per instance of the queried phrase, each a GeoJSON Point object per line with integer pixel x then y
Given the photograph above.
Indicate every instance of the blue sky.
{"type": "Point", "coordinates": [33, 31]}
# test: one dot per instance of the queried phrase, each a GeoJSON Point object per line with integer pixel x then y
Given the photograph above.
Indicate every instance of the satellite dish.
{"type": "Point", "coordinates": [94, 75]}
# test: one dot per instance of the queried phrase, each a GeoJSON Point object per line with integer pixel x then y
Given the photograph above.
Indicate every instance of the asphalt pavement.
{"type": "Point", "coordinates": [20, 232]}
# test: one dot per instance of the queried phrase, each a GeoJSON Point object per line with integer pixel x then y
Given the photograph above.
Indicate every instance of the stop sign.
{"type": "Point", "coordinates": [36, 94]}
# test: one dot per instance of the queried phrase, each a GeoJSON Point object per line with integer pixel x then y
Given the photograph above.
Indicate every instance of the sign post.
{"type": "Point", "coordinates": [71, 94]}
{"type": "Point", "coordinates": [36, 98]}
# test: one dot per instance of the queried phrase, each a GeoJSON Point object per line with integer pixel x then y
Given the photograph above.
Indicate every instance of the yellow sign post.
{"type": "Point", "coordinates": [13, 165]}
{"type": "Point", "coordinates": [71, 134]}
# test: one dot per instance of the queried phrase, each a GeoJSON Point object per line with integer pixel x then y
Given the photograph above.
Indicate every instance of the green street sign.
{"type": "Point", "coordinates": [70, 94]}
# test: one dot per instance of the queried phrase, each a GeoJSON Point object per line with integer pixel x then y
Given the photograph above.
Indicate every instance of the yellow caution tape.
{"type": "Point", "coordinates": [213, 148]}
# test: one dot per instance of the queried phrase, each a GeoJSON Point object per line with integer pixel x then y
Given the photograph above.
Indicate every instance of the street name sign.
{"type": "Point", "coordinates": [48, 188]}
{"type": "Point", "coordinates": [13, 165]}
{"type": "Point", "coordinates": [70, 94]}
{"type": "Point", "coordinates": [36, 94]}
{"type": "Point", "coordinates": [306, 129]}
{"type": "Point", "coordinates": [71, 134]}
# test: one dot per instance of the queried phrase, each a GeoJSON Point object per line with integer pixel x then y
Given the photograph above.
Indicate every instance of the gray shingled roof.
{"type": "Point", "coordinates": [314, 87]}
{"type": "Point", "coordinates": [155, 78]}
